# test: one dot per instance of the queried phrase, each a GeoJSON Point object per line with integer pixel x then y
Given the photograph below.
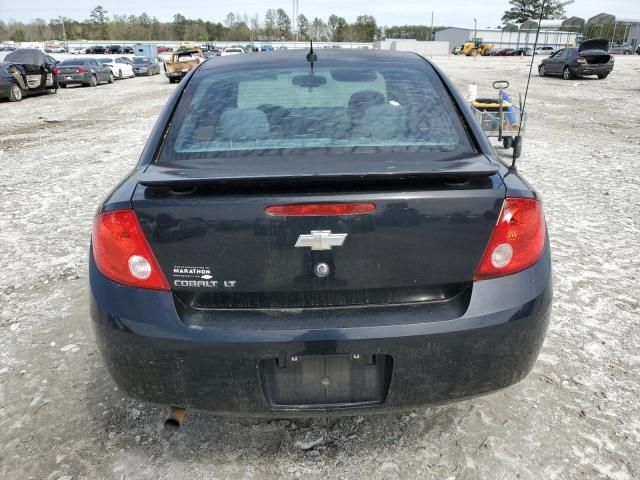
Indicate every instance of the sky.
{"type": "Point", "coordinates": [390, 12]}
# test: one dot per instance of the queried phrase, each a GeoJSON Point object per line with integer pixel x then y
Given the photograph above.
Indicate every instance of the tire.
{"type": "Point", "coordinates": [119, 74]}
{"type": "Point", "coordinates": [566, 74]}
{"type": "Point", "coordinates": [52, 91]}
{"type": "Point", "coordinates": [602, 76]}
{"type": "Point", "coordinates": [15, 93]}
{"type": "Point", "coordinates": [517, 146]}
{"type": "Point", "coordinates": [62, 85]}
{"type": "Point", "coordinates": [111, 79]}
{"type": "Point", "coordinates": [172, 80]}
{"type": "Point", "coordinates": [93, 81]}
{"type": "Point", "coordinates": [542, 71]}
{"type": "Point", "coordinates": [507, 142]}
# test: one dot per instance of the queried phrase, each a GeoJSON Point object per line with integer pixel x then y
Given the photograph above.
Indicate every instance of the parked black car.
{"type": "Point", "coordinates": [114, 49]}
{"type": "Point", "coordinates": [299, 240]}
{"type": "Point", "coordinates": [145, 66]}
{"type": "Point", "coordinates": [82, 71]}
{"type": "Point", "coordinates": [96, 50]}
{"type": "Point", "coordinates": [527, 52]}
{"type": "Point", "coordinates": [26, 72]}
{"type": "Point", "coordinates": [590, 58]}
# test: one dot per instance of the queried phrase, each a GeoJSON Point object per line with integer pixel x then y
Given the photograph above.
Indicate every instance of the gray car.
{"type": "Point", "coordinates": [82, 71]}
{"type": "Point", "coordinates": [145, 66]}
{"type": "Point", "coordinates": [621, 49]}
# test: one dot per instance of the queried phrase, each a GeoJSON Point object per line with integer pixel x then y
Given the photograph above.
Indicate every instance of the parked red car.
{"type": "Point", "coordinates": [504, 52]}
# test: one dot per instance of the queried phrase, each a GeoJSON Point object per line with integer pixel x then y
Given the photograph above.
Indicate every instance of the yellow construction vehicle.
{"type": "Point", "coordinates": [476, 46]}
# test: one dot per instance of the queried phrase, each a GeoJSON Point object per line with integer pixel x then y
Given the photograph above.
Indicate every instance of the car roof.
{"type": "Point", "coordinates": [291, 57]}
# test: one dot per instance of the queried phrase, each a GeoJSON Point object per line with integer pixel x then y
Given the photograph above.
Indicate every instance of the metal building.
{"type": "Point", "coordinates": [511, 35]}
{"type": "Point", "coordinates": [456, 36]}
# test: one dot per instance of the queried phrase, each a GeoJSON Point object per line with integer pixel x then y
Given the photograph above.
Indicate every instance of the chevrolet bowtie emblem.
{"type": "Point", "coordinates": [321, 240]}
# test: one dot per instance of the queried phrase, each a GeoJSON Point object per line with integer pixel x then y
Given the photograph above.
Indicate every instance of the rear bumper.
{"type": "Point", "coordinates": [592, 69]}
{"type": "Point", "coordinates": [153, 355]}
{"type": "Point", "coordinates": [73, 79]}
{"type": "Point", "coordinates": [5, 86]}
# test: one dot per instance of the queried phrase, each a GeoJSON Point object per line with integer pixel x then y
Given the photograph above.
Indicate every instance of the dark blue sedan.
{"type": "Point", "coordinates": [314, 234]}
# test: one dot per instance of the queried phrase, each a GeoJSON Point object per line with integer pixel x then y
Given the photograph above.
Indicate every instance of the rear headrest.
{"type": "Point", "coordinates": [386, 122]}
{"type": "Point", "coordinates": [364, 99]}
{"type": "Point", "coordinates": [243, 124]}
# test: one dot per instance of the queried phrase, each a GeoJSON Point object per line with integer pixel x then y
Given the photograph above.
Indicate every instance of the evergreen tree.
{"type": "Point", "coordinates": [522, 10]}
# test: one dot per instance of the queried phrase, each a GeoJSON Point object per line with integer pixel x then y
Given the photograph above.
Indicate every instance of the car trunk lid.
{"type": "Point", "coordinates": [595, 51]}
{"type": "Point", "coordinates": [219, 248]}
{"type": "Point", "coordinates": [65, 70]}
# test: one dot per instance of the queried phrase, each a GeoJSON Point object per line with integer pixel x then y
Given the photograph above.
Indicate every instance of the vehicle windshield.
{"type": "Point", "coordinates": [355, 108]}
{"type": "Point", "coordinates": [106, 60]}
{"type": "Point", "coordinates": [141, 60]}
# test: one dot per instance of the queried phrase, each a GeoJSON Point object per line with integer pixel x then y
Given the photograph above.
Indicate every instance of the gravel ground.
{"type": "Point", "coordinates": [575, 416]}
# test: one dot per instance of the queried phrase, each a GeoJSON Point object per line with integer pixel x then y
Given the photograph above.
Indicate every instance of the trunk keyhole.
{"type": "Point", "coordinates": [321, 269]}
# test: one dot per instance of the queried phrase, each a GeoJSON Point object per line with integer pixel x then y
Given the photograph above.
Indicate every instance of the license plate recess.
{"type": "Point", "coordinates": [326, 381]}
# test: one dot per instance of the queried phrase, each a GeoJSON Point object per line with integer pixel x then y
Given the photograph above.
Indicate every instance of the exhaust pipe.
{"type": "Point", "coordinates": [174, 419]}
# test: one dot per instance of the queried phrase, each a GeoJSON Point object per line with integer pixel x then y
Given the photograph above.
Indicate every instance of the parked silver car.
{"type": "Point", "coordinates": [621, 49]}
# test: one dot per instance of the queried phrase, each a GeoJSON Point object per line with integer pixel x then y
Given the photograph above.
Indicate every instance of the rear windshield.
{"type": "Point", "coordinates": [73, 61]}
{"type": "Point", "coordinates": [264, 110]}
{"type": "Point", "coordinates": [141, 60]}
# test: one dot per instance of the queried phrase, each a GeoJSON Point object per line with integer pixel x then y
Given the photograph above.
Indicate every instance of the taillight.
{"type": "Point", "coordinates": [121, 251]}
{"type": "Point", "coordinates": [517, 241]}
{"type": "Point", "coordinates": [319, 209]}
{"type": "Point", "coordinates": [582, 60]}
{"type": "Point", "coordinates": [81, 70]}
{"type": "Point", "coordinates": [56, 71]}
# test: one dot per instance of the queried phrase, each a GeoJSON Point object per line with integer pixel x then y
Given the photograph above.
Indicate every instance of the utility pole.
{"type": "Point", "coordinates": [294, 21]}
{"type": "Point", "coordinates": [64, 33]}
{"type": "Point", "coordinates": [431, 29]}
{"type": "Point", "coordinates": [475, 30]}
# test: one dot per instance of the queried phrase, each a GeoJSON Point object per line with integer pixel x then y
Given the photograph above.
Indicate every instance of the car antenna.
{"type": "Point", "coordinates": [311, 56]}
{"type": "Point", "coordinates": [518, 144]}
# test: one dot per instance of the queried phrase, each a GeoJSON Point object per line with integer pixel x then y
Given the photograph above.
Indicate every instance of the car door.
{"type": "Point", "coordinates": [96, 68]}
{"type": "Point", "coordinates": [100, 68]}
{"type": "Point", "coordinates": [570, 57]}
{"type": "Point", "coordinates": [103, 72]}
{"type": "Point", "coordinates": [49, 64]}
{"type": "Point", "coordinates": [124, 66]}
{"type": "Point", "coordinates": [553, 64]}
{"type": "Point", "coordinates": [106, 71]}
